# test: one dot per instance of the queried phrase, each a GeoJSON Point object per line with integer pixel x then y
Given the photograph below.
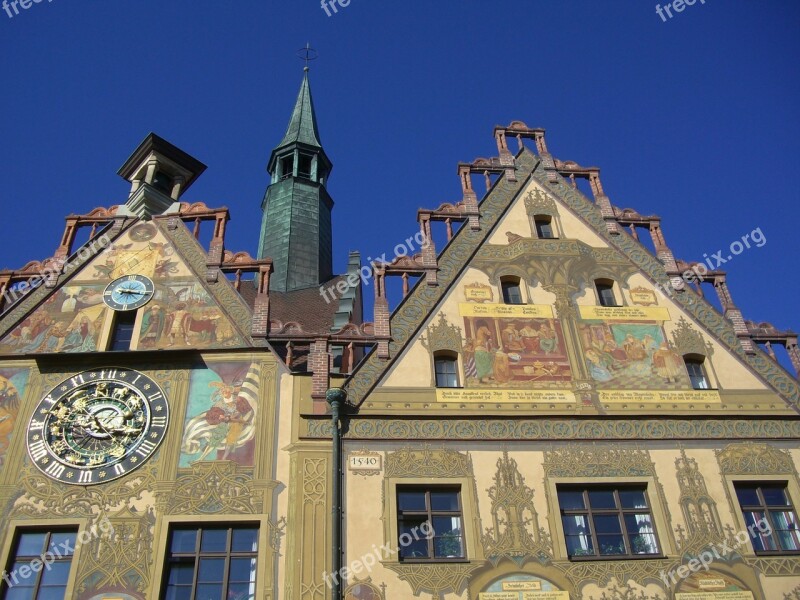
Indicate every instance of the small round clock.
{"type": "Point", "coordinates": [128, 292]}
{"type": "Point", "coordinates": [97, 426]}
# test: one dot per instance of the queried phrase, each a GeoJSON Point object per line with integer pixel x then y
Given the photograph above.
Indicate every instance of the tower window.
{"type": "Point", "coordinates": [544, 227]}
{"type": "Point", "coordinates": [446, 368]}
{"type": "Point", "coordinates": [512, 294]}
{"type": "Point", "coordinates": [697, 372]}
{"type": "Point", "coordinates": [287, 166]}
{"type": "Point", "coordinates": [605, 292]}
{"type": "Point", "coordinates": [304, 166]}
{"type": "Point", "coordinates": [162, 182]}
{"type": "Point", "coordinates": [122, 333]}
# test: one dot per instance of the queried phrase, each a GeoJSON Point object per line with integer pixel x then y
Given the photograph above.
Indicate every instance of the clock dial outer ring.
{"type": "Point", "coordinates": [111, 287]}
{"type": "Point", "coordinates": [137, 453]}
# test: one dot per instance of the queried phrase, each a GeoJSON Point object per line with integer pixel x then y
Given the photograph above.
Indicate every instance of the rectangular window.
{"type": "Point", "coordinates": [697, 375]}
{"type": "Point", "coordinates": [22, 582]}
{"type": "Point", "coordinates": [212, 563]}
{"type": "Point", "coordinates": [446, 372]}
{"type": "Point", "coordinates": [607, 521]}
{"type": "Point", "coordinates": [770, 517]}
{"type": "Point", "coordinates": [544, 229]}
{"type": "Point", "coordinates": [287, 166]}
{"type": "Point", "coordinates": [420, 510]}
{"type": "Point", "coordinates": [511, 292]}
{"type": "Point", "coordinates": [605, 292]}
{"type": "Point", "coordinates": [122, 333]}
{"type": "Point", "coordinates": [304, 166]}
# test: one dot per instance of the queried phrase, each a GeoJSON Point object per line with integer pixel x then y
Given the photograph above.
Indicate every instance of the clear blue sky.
{"type": "Point", "coordinates": [694, 119]}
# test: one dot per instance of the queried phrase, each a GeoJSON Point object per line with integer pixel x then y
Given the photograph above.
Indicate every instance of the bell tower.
{"type": "Point", "coordinates": [296, 225]}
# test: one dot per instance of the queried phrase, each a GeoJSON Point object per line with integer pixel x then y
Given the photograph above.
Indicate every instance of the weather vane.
{"type": "Point", "coordinates": [307, 54]}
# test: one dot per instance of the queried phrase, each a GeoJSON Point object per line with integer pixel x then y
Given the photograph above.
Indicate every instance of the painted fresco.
{"type": "Point", "coordinates": [181, 314]}
{"type": "Point", "coordinates": [221, 414]}
{"type": "Point", "coordinates": [71, 320]}
{"type": "Point", "coordinates": [12, 389]}
{"type": "Point", "coordinates": [514, 352]}
{"type": "Point", "coordinates": [631, 355]}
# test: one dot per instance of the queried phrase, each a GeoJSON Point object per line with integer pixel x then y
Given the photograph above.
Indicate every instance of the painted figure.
{"type": "Point", "coordinates": [667, 364]}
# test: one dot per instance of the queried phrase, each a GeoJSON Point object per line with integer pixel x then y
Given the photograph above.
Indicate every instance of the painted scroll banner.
{"type": "Point", "coordinates": [524, 596]}
{"type": "Point", "coordinates": [624, 313]}
{"type": "Point", "coordinates": [665, 397]}
{"type": "Point", "coordinates": [715, 596]}
{"type": "Point", "coordinates": [532, 311]}
{"type": "Point", "coordinates": [503, 396]}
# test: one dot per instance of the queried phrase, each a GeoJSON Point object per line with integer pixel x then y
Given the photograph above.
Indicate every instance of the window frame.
{"type": "Point", "coordinates": [619, 511]}
{"type": "Point", "coordinates": [430, 514]}
{"type": "Point", "coordinates": [116, 328]}
{"type": "Point", "coordinates": [169, 558]}
{"type": "Point", "coordinates": [608, 285]}
{"type": "Point", "coordinates": [548, 220]}
{"type": "Point", "coordinates": [765, 508]}
{"type": "Point", "coordinates": [510, 281]}
{"type": "Point", "coordinates": [9, 550]}
{"type": "Point", "coordinates": [452, 358]}
{"type": "Point", "coordinates": [699, 361]}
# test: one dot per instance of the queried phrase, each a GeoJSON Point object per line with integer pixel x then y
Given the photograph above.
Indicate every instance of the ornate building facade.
{"type": "Point", "coordinates": [552, 411]}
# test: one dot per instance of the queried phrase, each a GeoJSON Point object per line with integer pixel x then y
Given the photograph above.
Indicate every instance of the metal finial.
{"type": "Point", "coordinates": [307, 54]}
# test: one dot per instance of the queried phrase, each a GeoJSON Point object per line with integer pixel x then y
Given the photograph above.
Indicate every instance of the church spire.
{"type": "Point", "coordinates": [296, 227]}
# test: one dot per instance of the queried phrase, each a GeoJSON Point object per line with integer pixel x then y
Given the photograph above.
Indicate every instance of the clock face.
{"type": "Point", "coordinates": [97, 426]}
{"type": "Point", "coordinates": [128, 292]}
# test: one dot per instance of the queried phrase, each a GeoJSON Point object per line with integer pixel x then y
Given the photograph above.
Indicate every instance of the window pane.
{"type": "Point", "coordinates": [761, 541]}
{"type": "Point", "coordinates": [31, 544]}
{"type": "Point", "coordinates": [632, 499]}
{"type": "Point", "coordinates": [409, 546]}
{"type": "Point", "coordinates": [245, 540]}
{"type": "Point", "coordinates": [775, 496]}
{"type": "Point", "coordinates": [602, 499]}
{"type": "Point", "coordinates": [64, 542]}
{"type": "Point", "coordinates": [579, 545]}
{"type": "Point", "coordinates": [747, 495]}
{"type": "Point", "coordinates": [183, 540]}
{"type": "Point", "coordinates": [638, 524]}
{"type": "Point", "coordinates": [19, 593]}
{"type": "Point", "coordinates": [181, 593]}
{"type": "Point", "coordinates": [243, 569]}
{"type": "Point", "coordinates": [57, 574]}
{"type": "Point", "coordinates": [214, 540]}
{"type": "Point", "coordinates": [607, 524]}
{"type": "Point", "coordinates": [211, 570]}
{"type": "Point", "coordinates": [209, 592]}
{"type": "Point", "coordinates": [511, 293]}
{"type": "Point", "coordinates": [54, 593]}
{"type": "Point", "coordinates": [411, 500]}
{"type": "Point", "coordinates": [611, 544]}
{"type": "Point", "coordinates": [447, 537]}
{"type": "Point", "coordinates": [242, 591]}
{"type": "Point", "coordinates": [181, 574]}
{"type": "Point", "coordinates": [570, 500]}
{"type": "Point", "coordinates": [444, 501]}
{"type": "Point", "coordinates": [575, 525]}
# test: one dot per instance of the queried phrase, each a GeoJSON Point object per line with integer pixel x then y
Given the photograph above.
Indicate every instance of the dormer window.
{"type": "Point", "coordinates": [512, 293]}
{"type": "Point", "coordinates": [544, 227]}
{"type": "Point", "coordinates": [162, 182]}
{"type": "Point", "coordinates": [605, 292]}
{"type": "Point", "coordinates": [697, 371]}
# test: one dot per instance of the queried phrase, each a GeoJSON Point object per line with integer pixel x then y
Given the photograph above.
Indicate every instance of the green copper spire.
{"type": "Point", "coordinates": [303, 124]}
{"type": "Point", "coordinates": [296, 227]}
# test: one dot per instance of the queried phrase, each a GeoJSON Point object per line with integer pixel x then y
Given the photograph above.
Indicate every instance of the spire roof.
{"type": "Point", "coordinates": [303, 124]}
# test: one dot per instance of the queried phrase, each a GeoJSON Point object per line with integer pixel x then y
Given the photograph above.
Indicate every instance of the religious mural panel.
{"type": "Point", "coordinates": [12, 388]}
{"type": "Point", "coordinates": [221, 414]}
